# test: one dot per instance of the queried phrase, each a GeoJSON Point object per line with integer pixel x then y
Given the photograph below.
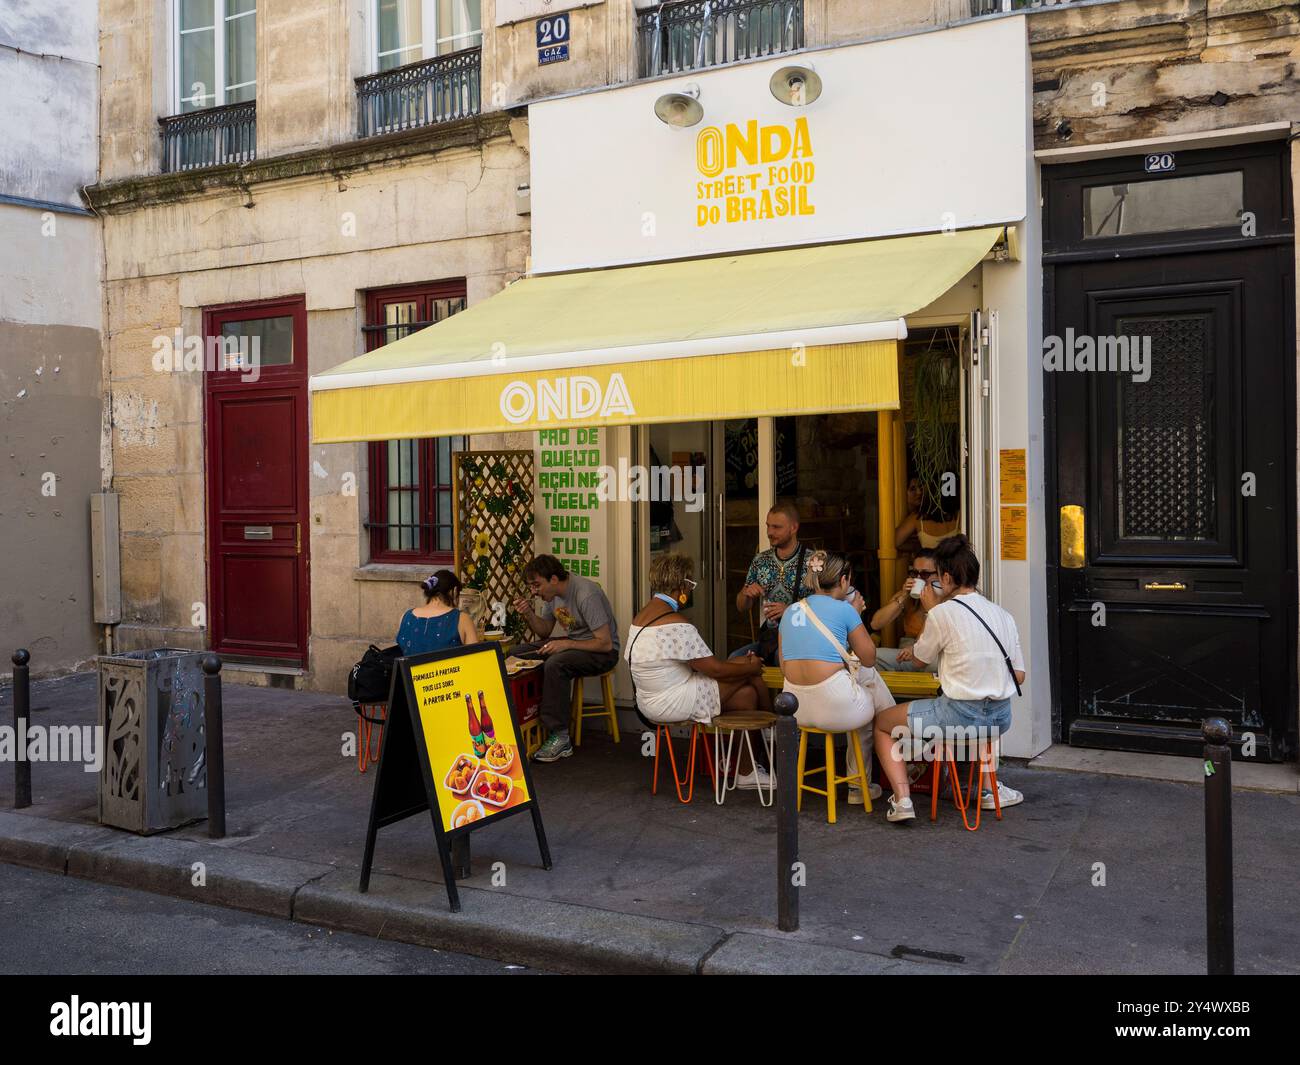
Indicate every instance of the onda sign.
{"type": "Point", "coordinates": [872, 156]}
{"type": "Point", "coordinates": [566, 398]}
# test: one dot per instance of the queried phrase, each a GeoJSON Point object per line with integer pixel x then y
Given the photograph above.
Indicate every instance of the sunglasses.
{"type": "Point", "coordinates": [692, 585]}
{"type": "Point", "coordinates": [923, 573]}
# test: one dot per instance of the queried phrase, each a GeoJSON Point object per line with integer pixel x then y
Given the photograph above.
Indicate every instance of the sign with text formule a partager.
{"type": "Point", "coordinates": [451, 746]}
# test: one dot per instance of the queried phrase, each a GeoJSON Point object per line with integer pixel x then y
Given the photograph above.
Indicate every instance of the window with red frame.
{"type": "Point", "coordinates": [410, 480]}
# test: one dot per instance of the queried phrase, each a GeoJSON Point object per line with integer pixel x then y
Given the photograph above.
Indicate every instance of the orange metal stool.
{"type": "Point", "coordinates": [987, 764]}
{"type": "Point", "coordinates": [370, 732]}
{"type": "Point", "coordinates": [697, 739]}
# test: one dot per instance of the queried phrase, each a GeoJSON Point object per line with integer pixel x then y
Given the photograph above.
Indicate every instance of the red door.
{"type": "Point", "coordinates": [257, 479]}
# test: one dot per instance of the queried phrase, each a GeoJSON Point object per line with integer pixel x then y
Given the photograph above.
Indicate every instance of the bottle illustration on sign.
{"type": "Point", "coordinates": [475, 729]}
{"type": "Point", "coordinates": [489, 733]}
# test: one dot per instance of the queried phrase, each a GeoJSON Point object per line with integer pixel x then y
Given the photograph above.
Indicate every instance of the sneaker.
{"type": "Point", "coordinates": [759, 778]}
{"type": "Point", "coordinates": [855, 794]}
{"type": "Point", "coordinates": [557, 746]}
{"type": "Point", "coordinates": [899, 810]}
{"type": "Point", "coordinates": [1006, 796]}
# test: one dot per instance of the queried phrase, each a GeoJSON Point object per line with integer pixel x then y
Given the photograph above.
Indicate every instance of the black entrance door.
{"type": "Point", "coordinates": [1174, 473]}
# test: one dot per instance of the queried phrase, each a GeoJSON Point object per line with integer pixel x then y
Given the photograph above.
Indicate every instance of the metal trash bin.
{"type": "Point", "coordinates": [154, 775]}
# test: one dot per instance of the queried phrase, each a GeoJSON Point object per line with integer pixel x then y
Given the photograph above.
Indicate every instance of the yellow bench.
{"type": "Point", "coordinates": [900, 684]}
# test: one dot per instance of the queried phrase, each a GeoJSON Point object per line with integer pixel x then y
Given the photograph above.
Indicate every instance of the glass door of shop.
{"type": "Point", "coordinates": [677, 511]}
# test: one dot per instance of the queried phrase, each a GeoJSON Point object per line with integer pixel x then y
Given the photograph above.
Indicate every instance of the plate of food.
{"type": "Point", "coordinates": [461, 774]}
{"type": "Point", "coordinates": [467, 813]}
{"type": "Point", "coordinates": [499, 757]}
{"type": "Point", "coordinates": [492, 788]}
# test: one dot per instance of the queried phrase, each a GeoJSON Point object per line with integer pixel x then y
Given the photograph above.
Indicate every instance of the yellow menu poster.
{"type": "Point", "coordinates": [1012, 479]}
{"type": "Point", "coordinates": [1014, 533]}
{"type": "Point", "coordinates": [469, 735]}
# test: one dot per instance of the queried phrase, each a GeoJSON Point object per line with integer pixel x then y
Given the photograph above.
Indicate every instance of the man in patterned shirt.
{"type": "Point", "coordinates": [775, 578]}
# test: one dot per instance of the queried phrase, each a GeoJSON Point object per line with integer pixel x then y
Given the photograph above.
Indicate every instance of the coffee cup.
{"type": "Point", "coordinates": [918, 585]}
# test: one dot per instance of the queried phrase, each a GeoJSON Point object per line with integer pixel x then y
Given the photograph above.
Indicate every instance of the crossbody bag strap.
{"type": "Point", "coordinates": [1005, 657]}
{"type": "Point", "coordinates": [811, 615]}
{"type": "Point", "coordinates": [798, 575]}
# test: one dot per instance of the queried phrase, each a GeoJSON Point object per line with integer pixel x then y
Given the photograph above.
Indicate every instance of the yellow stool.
{"type": "Point", "coordinates": [831, 779]}
{"type": "Point", "coordinates": [604, 708]}
{"type": "Point", "coordinates": [530, 734]}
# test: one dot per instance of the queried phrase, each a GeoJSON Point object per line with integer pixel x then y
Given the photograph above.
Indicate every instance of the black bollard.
{"type": "Point", "coordinates": [214, 753]}
{"type": "Point", "coordinates": [787, 812]}
{"type": "Point", "coordinates": [22, 710]}
{"type": "Point", "coordinates": [1218, 847]}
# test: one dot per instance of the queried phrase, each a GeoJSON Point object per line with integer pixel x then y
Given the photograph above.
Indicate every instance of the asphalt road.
{"type": "Point", "coordinates": [51, 924]}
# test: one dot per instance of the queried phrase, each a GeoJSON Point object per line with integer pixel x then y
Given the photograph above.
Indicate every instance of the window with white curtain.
{"type": "Point", "coordinates": [408, 31]}
{"type": "Point", "coordinates": [216, 53]}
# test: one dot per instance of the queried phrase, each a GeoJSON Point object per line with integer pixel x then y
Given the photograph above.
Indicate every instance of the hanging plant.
{"type": "Point", "coordinates": [934, 435]}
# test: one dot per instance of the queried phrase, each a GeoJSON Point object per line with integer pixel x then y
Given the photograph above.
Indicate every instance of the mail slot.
{"type": "Point", "coordinates": [257, 532]}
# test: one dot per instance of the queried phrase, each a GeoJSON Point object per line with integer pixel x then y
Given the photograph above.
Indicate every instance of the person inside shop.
{"type": "Point", "coordinates": [906, 604]}
{"type": "Point", "coordinates": [816, 635]}
{"type": "Point", "coordinates": [977, 649]}
{"type": "Point", "coordinates": [934, 518]}
{"type": "Point", "coordinates": [675, 673]}
{"type": "Point", "coordinates": [588, 648]}
{"type": "Point", "coordinates": [438, 624]}
{"type": "Point", "coordinates": [774, 580]}
{"type": "Point", "coordinates": [909, 544]}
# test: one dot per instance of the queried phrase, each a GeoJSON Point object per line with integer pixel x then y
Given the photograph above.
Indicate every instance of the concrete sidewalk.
{"type": "Point", "coordinates": [642, 883]}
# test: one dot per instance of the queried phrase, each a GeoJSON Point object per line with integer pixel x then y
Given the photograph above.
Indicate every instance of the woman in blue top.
{"type": "Point", "coordinates": [830, 696]}
{"type": "Point", "coordinates": [438, 624]}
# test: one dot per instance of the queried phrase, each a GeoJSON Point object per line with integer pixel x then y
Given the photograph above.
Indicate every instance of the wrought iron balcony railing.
{"type": "Point", "coordinates": [210, 137]}
{"type": "Point", "coordinates": [692, 34]}
{"type": "Point", "coordinates": [420, 94]}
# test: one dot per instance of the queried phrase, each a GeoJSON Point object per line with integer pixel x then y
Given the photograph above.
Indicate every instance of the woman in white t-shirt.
{"type": "Point", "coordinates": [677, 677]}
{"type": "Point", "coordinates": [973, 672]}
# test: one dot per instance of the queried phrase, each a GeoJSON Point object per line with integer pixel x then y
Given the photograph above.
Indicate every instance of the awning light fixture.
{"type": "Point", "coordinates": [796, 86]}
{"type": "Point", "coordinates": [680, 109]}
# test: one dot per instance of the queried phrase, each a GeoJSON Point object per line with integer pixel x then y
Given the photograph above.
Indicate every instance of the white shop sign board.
{"type": "Point", "coordinates": [914, 135]}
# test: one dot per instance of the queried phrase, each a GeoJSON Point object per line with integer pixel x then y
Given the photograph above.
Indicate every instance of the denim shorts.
{"type": "Point", "coordinates": [944, 713]}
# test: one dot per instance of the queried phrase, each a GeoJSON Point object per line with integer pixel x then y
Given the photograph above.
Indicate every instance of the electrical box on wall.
{"type": "Point", "coordinates": [523, 199]}
{"type": "Point", "coordinates": [105, 558]}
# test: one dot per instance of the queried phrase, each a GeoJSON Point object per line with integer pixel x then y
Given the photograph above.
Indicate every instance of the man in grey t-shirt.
{"type": "Point", "coordinates": [588, 648]}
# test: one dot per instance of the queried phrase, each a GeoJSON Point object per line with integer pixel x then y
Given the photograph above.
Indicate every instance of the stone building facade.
{"type": "Point", "coordinates": [329, 211]}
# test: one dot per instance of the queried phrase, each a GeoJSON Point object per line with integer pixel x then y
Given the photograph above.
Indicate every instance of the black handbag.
{"type": "Point", "coordinates": [370, 679]}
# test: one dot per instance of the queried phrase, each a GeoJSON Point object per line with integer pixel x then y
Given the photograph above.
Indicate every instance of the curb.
{"type": "Point", "coordinates": [557, 936]}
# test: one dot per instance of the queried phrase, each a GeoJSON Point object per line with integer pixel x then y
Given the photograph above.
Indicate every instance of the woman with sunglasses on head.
{"type": "Point", "coordinates": [676, 675]}
{"type": "Point", "coordinates": [438, 624]}
{"type": "Point", "coordinates": [907, 606]}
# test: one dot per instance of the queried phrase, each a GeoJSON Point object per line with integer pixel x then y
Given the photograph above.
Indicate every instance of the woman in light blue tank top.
{"type": "Point", "coordinates": [831, 696]}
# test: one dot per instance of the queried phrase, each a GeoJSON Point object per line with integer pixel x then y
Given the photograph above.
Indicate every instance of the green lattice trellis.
{"type": "Point", "coordinates": [493, 507]}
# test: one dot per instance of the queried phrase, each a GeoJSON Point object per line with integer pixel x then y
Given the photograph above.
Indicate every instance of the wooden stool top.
{"type": "Point", "coordinates": [743, 720]}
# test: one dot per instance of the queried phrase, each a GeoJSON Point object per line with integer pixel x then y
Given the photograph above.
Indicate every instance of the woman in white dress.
{"type": "Point", "coordinates": [678, 678]}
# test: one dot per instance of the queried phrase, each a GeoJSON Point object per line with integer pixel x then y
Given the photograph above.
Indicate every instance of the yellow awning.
{"type": "Point", "coordinates": [798, 331]}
